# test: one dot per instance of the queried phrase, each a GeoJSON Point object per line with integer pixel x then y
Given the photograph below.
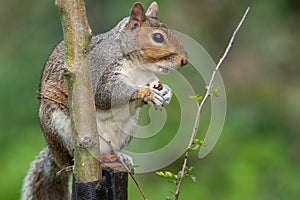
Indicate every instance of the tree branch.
{"type": "Point", "coordinates": [77, 36]}
{"type": "Point", "coordinates": [207, 94]}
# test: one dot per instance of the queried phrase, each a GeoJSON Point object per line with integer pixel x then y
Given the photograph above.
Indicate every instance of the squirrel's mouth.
{"type": "Point", "coordinates": [164, 70]}
{"type": "Point", "coordinates": [171, 63]}
{"type": "Point", "coordinates": [158, 68]}
{"type": "Point", "coordinates": [167, 64]}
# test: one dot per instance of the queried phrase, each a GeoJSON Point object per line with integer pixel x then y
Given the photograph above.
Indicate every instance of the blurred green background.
{"type": "Point", "coordinates": [258, 154]}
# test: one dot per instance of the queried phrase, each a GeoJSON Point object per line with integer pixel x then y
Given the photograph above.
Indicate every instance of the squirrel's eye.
{"type": "Point", "coordinates": [158, 37]}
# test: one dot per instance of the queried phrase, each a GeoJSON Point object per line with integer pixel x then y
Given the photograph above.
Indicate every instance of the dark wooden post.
{"type": "Point", "coordinates": [113, 186]}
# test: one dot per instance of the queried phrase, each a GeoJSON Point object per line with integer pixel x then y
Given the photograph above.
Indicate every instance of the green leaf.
{"type": "Point", "coordinates": [216, 92]}
{"type": "Point", "coordinates": [194, 178]}
{"type": "Point", "coordinates": [169, 174]}
{"type": "Point", "coordinates": [189, 169]}
{"type": "Point", "coordinates": [193, 148]}
{"type": "Point", "coordinates": [160, 174]}
{"type": "Point", "coordinates": [197, 97]}
{"type": "Point", "coordinates": [198, 142]}
{"type": "Point", "coordinates": [194, 97]}
{"type": "Point", "coordinates": [166, 174]}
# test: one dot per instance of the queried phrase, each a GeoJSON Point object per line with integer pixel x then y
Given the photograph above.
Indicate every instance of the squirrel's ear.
{"type": "Point", "coordinates": [152, 10]}
{"type": "Point", "coordinates": [137, 15]}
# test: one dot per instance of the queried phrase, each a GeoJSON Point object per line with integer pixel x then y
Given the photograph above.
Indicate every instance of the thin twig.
{"type": "Point", "coordinates": [207, 94]}
{"type": "Point", "coordinates": [138, 185]}
{"type": "Point", "coordinates": [42, 96]}
{"type": "Point", "coordinates": [66, 169]}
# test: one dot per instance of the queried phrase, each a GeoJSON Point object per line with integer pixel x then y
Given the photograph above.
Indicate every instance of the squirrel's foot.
{"type": "Point", "coordinates": [126, 159]}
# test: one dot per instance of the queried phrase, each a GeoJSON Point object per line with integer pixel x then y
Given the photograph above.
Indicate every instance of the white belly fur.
{"type": "Point", "coordinates": [114, 125]}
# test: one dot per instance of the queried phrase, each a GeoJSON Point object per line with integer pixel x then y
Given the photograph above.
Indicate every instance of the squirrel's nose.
{"type": "Point", "coordinates": [184, 58]}
{"type": "Point", "coordinates": [184, 61]}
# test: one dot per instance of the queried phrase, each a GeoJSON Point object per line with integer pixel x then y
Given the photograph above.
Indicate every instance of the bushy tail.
{"type": "Point", "coordinates": [42, 181]}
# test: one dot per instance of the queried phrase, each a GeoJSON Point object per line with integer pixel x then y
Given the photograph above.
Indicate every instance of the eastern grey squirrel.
{"type": "Point", "coordinates": [123, 64]}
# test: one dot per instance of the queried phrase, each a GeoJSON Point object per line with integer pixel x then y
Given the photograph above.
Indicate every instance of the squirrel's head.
{"type": "Point", "coordinates": [154, 44]}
